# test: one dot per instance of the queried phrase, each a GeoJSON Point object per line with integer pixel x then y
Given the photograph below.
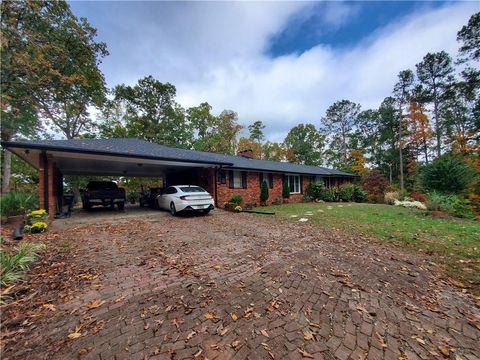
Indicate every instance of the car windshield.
{"type": "Point", "coordinates": [191, 189]}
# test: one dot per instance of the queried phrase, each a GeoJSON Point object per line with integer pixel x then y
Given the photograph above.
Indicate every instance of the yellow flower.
{"type": "Point", "coordinates": [238, 208]}
{"type": "Point", "coordinates": [38, 212]}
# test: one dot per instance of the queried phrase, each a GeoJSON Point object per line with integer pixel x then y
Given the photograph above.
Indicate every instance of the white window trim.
{"type": "Point", "coordinates": [299, 185]}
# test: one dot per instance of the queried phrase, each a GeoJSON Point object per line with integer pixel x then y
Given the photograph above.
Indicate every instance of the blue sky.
{"type": "Point", "coordinates": [280, 62]}
{"type": "Point", "coordinates": [344, 27]}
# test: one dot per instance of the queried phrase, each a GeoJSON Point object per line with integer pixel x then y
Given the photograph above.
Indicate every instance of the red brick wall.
{"type": "Point", "coordinates": [55, 185]}
{"type": "Point", "coordinates": [252, 193]}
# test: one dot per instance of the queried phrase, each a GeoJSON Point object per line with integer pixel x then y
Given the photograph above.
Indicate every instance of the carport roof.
{"type": "Point", "coordinates": [135, 148]}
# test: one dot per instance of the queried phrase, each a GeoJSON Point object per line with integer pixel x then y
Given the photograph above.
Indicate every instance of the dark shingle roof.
{"type": "Point", "coordinates": [139, 148]}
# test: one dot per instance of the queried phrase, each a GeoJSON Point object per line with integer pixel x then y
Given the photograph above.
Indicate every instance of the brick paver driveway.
{"type": "Point", "coordinates": [236, 286]}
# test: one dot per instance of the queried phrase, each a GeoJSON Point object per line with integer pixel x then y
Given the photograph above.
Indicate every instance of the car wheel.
{"type": "Point", "coordinates": [173, 211]}
{"type": "Point", "coordinates": [121, 205]}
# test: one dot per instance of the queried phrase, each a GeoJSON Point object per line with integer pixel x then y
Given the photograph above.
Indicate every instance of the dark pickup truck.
{"type": "Point", "coordinates": [105, 193]}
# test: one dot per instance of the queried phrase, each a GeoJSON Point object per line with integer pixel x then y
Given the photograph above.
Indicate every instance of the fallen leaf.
{"type": "Point", "coordinates": [381, 339]}
{"type": "Point", "coordinates": [305, 354]}
{"type": "Point", "coordinates": [50, 307]}
{"type": "Point", "coordinates": [308, 335]}
{"type": "Point", "coordinates": [248, 312]}
{"type": "Point", "coordinates": [95, 304]}
{"type": "Point", "coordinates": [234, 316]}
{"type": "Point", "coordinates": [444, 351]}
{"type": "Point", "coordinates": [264, 333]}
{"type": "Point", "coordinates": [271, 354]}
{"type": "Point", "coordinates": [84, 351]}
{"type": "Point", "coordinates": [420, 340]}
{"type": "Point", "coordinates": [74, 335]}
{"type": "Point", "coordinates": [235, 344]}
{"type": "Point", "coordinates": [123, 297]}
{"type": "Point", "coordinates": [209, 316]}
{"type": "Point", "coordinates": [198, 353]}
{"type": "Point", "coordinates": [191, 334]}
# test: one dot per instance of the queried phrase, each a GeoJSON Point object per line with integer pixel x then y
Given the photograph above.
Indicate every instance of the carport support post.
{"type": "Point", "coordinates": [47, 184]}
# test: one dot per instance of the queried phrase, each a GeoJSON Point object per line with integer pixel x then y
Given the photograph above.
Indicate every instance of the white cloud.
{"type": "Point", "coordinates": [215, 52]}
{"type": "Point", "coordinates": [298, 88]}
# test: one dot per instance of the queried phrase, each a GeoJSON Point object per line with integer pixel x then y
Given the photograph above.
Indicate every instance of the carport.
{"type": "Point", "coordinates": [112, 157]}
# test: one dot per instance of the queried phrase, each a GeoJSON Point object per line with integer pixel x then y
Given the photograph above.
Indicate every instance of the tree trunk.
{"type": "Point", "coordinates": [400, 151]}
{"type": "Point", "coordinates": [437, 122]}
{"type": "Point", "coordinates": [425, 150]}
{"type": "Point", "coordinates": [6, 170]}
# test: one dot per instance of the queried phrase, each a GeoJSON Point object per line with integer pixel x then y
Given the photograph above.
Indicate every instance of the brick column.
{"type": "Point", "coordinates": [49, 184]}
{"type": "Point", "coordinates": [41, 174]}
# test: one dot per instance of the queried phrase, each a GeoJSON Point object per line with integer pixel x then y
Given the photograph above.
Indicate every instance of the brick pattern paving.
{"type": "Point", "coordinates": [236, 286]}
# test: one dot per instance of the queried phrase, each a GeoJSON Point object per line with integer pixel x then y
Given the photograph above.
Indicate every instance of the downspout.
{"type": "Point", "coordinates": [215, 181]}
{"type": "Point", "coordinates": [45, 180]}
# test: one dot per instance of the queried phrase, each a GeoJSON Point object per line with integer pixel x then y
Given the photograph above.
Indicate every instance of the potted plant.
{"type": "Point", "coordinates": [285, 192]}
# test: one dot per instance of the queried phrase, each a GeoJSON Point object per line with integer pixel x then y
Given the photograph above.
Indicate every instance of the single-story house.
{"type": "Point", "coordinates": [221, 175]}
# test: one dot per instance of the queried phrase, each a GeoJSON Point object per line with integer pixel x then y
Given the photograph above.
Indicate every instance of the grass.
{"type": "Point", "coordinates": [455, 243]}
{"type": "Point", "coordinates": [14, 263]}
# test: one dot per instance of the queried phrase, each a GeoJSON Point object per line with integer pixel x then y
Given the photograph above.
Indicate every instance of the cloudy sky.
{"type": "Point", "coordinates": [280, 62]}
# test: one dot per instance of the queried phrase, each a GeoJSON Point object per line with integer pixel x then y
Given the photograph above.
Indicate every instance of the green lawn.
{"type": "Point", "coordinates": [455, 243]}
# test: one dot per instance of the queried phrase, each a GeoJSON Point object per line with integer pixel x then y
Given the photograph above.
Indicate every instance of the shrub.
{"type": "Point", "coordinates": [36, 215]}
{"type": "Point", "coordinates": [346, 192]}
{"type": "Point", "coordinates": [18, 203]}
{"type": "Point", "coordinates": [417, 196]}
{"type": "Point", "coordinates": [36, 227]}
{"type": "Point", "coordinates": [375, 184]}
{"type": "Point", "coordinates": [450, 204]}
{"type": "Point", "coordinates": [285, 190]}
{"type": "Point", "coordinates": [12, 265]}
{"type": "Point", "coordinates": [410, 204]}
{"type": "Point", "coordinates": [315, 190]}
{"type": "Point", "coordinates": [359, 195]}
{"type": "Point", "coordinates": [264, 191]}
{"type": "Point", "coordinates": [447, 174]}
{"type": "Point", "coordinates": [236, 199]}
{"type": "Point", "coordinates": [329, 195]}
{"type": "Point", "coordinates": [390, 197]}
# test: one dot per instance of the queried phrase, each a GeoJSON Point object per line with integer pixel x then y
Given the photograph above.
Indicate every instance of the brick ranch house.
{"type": "Point", "coordinates": [221, 175]}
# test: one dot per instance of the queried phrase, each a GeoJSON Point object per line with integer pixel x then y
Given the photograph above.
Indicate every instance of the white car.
{"type": "Point", "coordinates": [185, 197]}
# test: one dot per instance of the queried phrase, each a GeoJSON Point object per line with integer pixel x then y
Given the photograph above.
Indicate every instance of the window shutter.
{"type": "Point", "coordinates": [270, 180]}
{"type": "Point", "coordinates": [301, 184]}
{"type": "Point", "coordinates": [244, 179]}
{"type": "Point", "coordinates": [260, 178]}
{"type": "Point", "coordinates": [230, 179]}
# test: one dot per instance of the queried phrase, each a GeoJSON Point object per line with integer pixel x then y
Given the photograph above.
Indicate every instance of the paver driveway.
{"type": "Point", "coordinates": [235, 286]}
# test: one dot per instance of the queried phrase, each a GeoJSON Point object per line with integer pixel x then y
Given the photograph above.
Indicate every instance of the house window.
{"type": "Point", "coordinates": [318, 179]}
{"type": "Point", "coordinates": [268, 177]}
{"type": "Point", "coordinates": [238, 179]}
{"type": "Point", "coordinates": [222, 179]}
{"type": "Point", "coordinates": [293, 183]}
